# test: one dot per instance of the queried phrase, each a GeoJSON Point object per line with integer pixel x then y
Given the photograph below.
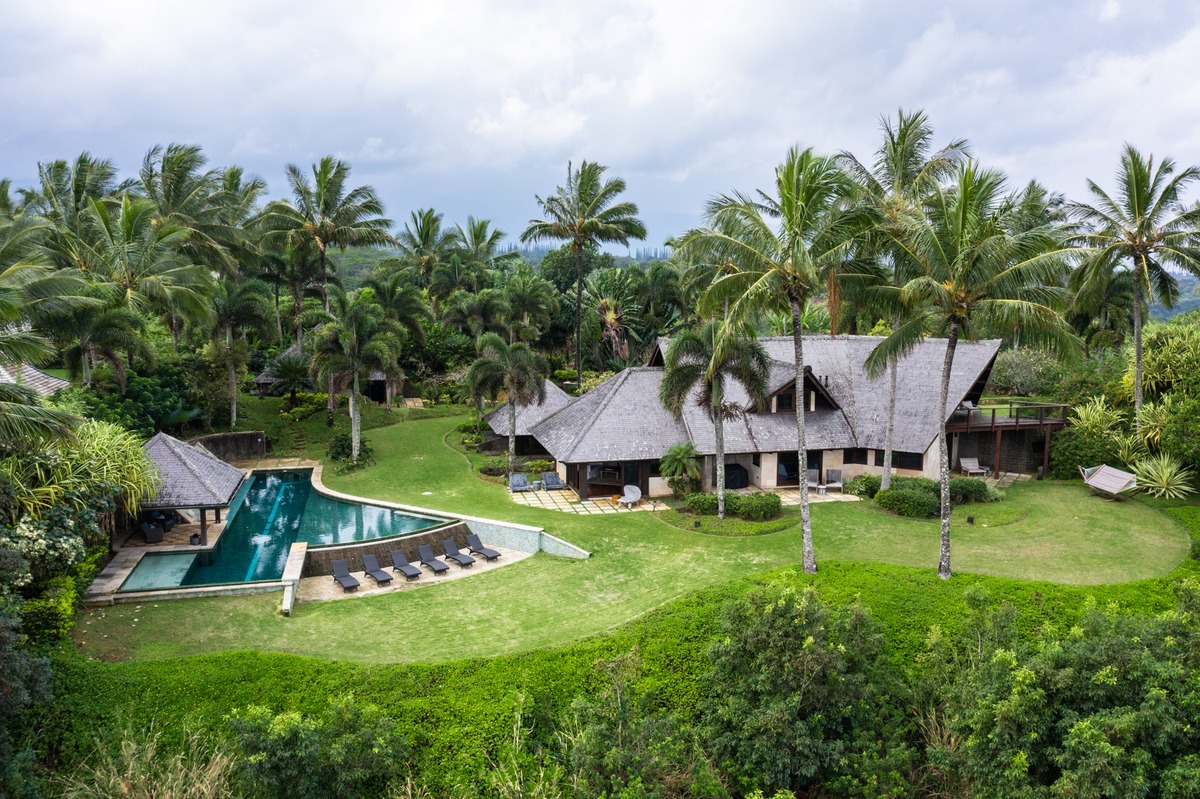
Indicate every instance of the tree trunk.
{"type": "Point", "coordinates": [886, 481]}
{"type": "Point", "coordinates": [330, 403]}
{"type": "Point", "coordinates": [174, 333]}
{"type": "Point", "coordinates": [324, 276]}
{"type": "Point", "coordinates": [512, 436]}
{"type": "Point", "coordinates": [232, 378]}
{"type": "Point", "coordinates": [1137, 350]}
{"type": "Point", "coordinates": [387, 393]}
{"type": "Point", "coordinates": [355, 422]}
{"type": "Point", "coordinates": [578, 317]}
{"type": "Point", "coordinates": [278, 318]}
{"type": "Point", "coordinates": [85, 363]}
{"type": "Point", "coordinates": [944, 453]}
{"type": "Point", "coordinates": [719, 430]}
{"type": "Point", "coordinates": [810, 557]}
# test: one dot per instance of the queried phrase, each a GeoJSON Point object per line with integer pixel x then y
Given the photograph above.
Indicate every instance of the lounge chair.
{"type": "Point", "coordinates": [476, 546]}
{"type": "Point", "coordinates": [152, 532]}
{"type": "Point", "coordinates": [401, 564]}
{"type": "Point", "coordinates": [519, 482]}
{"type": "Point", "coordinates": [631, 497]}
{"type": "Point", "coordinates": [452, 553]}
{"type": "Point", "coordinates": [833, 479]}
{"type": "Point", "coordinates": [163, 520]}
{"type": "Point", "coordinates": [813, 478]}
{"type": "Point", "coordinates": [971, 468]}
{"type": "Point", "coordinates": [1104, 479]}
{"type": "Point", "coordinates": [552, 482]}
{"type": "Point", "coordinates": [428, 559]}
{"type": "Point", "coordinates": [371, 567]}
{"type": "Point", "coordinates": [342, 575]}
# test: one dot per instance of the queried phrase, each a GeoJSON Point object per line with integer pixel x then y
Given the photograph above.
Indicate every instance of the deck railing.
{"type": "Point", "coordinates": [1011, 414]}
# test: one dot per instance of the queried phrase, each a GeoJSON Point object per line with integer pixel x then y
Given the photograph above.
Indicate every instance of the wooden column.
{"type": "Point", "coordinates": [1046, 454]}
{"type": "Point", "coordinates": [217, 511]}
{"type": "Point", "coordinates": [203, 527]}
{"type": "Point", "coordinates": [583, 483]}
{"type": "Point", "coordinates": [996, 465]}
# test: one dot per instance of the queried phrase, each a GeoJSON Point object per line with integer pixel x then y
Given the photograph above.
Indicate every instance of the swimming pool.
{"type": "Point", "coordinates": [272, 511]}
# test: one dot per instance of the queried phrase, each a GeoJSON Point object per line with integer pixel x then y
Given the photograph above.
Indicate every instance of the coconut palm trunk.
{"type": "Point", "coordinates": [512, 436]}
{"type": "Point", "coordinates": [355, 421]}
{"type": "Point", "coordinates": [232, 377]}
{"type": "Point", "coordinates": [1137, 348]}
{"type": "Point", "coordinates": [944, 453]}
{"type": "Point", "coordinates": [810, 557]}
{"type": "Point", "coordinates": [719, 431]}
{"type": "Point", "coordinates": [579, 317]}
{"type": "Point", "coordinates": [885, 482]}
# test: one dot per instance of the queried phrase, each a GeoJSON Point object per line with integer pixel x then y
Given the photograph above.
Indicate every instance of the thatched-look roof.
{"type": "Point", "coordinates": [190, 476]}
{"type": "Point", "coordinates": [267, 376]}
{"type": "Point", "coordinates": [529, 415]}
{"type": "Point", "coordinates": [26, 375]}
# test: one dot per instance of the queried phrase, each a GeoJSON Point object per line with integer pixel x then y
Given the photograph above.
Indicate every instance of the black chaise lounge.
{"type": "Point", "coordinates": [371, 567]}
{"type": "Point", "coordinates": [427, 559]}
{"type": "Point", "coordinates": [342, 575]}
{"type": "Point", "coordinates": [401, 564]}
{"type": "Point", "coordinates": [476, 546]}
{"type": "Point", "coordinates": [452, 552]}
{"type": "Point", "coordinates": [552, 482]}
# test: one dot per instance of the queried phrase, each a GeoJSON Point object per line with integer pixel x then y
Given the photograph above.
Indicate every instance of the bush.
{"type": "Point", "coordinates": [564, 375]}
{"type": "Point", "coordinates": [51, 616]}
{"type": "Point", "coordinates": [865, 485]}
{"type": "Point", "coordinates": [925, 484]}
{"type": "Point", "coordinates": [1071, 448]}
{"type": "Point", "coordinates": [1164, 477]}
{"type": "Point", "coordinates": [341, 447]}
{"type": "Point", "coordinates": [539, 466]}
{"type": "Point", "coordinates": [138, 769]}
{"type": "Point", "coordinates": [1100, 375]}
{"type": "Point", "coordinates": [760, 507]}
{"type": "Point", "coordinates": [967, 489]}
{"type": "Point", "coordinates": [1025, 373]}
{"type": "Point", "coordinates": [306, 406]}
{"type": "Point", "coordinates": [910, 502]}
{"type": "Point", "coordinates": [495, 467]}
{"type": "Point", "coordinates": [702, 504]}
{"type": "Point", "coordinates": [1181, 433]}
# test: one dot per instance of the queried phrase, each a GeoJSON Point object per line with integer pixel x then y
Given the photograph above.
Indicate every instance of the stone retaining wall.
{"type": "Point", "coordinates": [230, 447]}
{"type": "Point", "coordinates": [319, 562]}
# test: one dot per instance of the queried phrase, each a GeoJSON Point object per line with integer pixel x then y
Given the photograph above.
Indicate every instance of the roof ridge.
{"type": "Point", "coordinates": [183, 458]}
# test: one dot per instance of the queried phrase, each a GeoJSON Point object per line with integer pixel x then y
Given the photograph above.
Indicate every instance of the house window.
{"type": "Point", "coordinates": [858, 456]}
{"type": "Point", "coordinates": [903, 460]}
{"type": "Point", "coordinates": [654, 469]}
{"type": "Point", "coordinates": [784, 402]}
{"type": "Point", "coordinates": [756, 459]}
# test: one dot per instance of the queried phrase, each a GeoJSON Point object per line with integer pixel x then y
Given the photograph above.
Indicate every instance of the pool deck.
{"type": "Point", "coordinates": [317, 589]}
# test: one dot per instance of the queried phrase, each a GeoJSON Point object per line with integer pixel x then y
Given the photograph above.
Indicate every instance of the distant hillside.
{"type": "Point", "coordinates": [1189, 299]}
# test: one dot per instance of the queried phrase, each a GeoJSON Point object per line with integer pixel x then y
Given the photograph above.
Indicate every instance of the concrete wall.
{"type": "Point", "coordinates": [231, 447]}
{"type": "Point", "coordinates": [319, 561]}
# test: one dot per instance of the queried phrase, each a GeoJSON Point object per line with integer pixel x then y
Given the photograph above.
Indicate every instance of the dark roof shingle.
{"type": "Point", "coordinates": [189, 476]}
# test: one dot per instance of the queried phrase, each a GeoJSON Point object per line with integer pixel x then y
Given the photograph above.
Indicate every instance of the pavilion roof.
{"type": "Point", "coordinates": [190, 476]}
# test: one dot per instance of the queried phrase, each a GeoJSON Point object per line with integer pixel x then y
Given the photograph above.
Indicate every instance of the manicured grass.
{"type": "Point", "coordinates": [730, 525]}
{"type": "Point", "coordinates": [639, 563]}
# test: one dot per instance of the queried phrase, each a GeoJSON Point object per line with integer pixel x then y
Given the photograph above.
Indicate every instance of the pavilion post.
{"type": "Point", "coordinates": [204, 527]}
{"type": "Point", "coordinates": [1046, 454]}
{"type": "Point", "coordinates": [996, 468]}
{"type": "Point", "coordinates": [217, 511]}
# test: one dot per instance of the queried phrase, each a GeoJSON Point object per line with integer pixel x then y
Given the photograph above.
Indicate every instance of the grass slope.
{"type": "Point", "coordinates": [639, 563]}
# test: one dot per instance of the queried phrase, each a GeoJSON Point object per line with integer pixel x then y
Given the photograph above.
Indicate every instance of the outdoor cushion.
{"type": "Point", "coordinates": [401, 564]}
{"type": "Point", "coordinates": [519, 482]}
{"type": "Point", "coordinates": [552, 482]}
{"type": "Point", "coordinates": [428, 559]}
{"type": "Point", "coordinates": [371, 567]}
{"type": "Point", "coordinates": [476, 546]}
{"type": "Point", "coordinates": [342, 575]}
{"type": "Point", "coordinates": [462, 559]}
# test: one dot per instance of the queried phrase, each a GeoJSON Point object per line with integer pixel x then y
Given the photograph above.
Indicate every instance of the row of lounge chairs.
{"type": "Point", "coordinates": [402, 564]}
{"type": "Point", "coordinates": [833, 479]}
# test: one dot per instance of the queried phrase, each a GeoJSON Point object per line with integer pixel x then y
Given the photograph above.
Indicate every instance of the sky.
{"type": "Point", "coordinates": [474, 107]}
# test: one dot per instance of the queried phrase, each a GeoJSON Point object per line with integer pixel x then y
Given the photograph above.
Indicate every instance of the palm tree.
{"type": "Point", "coordinates": [974, 270]}
{"type": "Point", "coordinates": [359, 340]}
{"type": "Point", "coordinates": [476, 313]}
{"type": "Point", "coordinates": [453, 275]}
{"type": "Point", "coordinates": [703, 362]}
{"type": "Point", "coordinates": [905, 170]}
{"type": "Point", "coordinates": [1145, 229]}
{"type": "Point", "coordinates": [778, 250]}
{"type": "Point", "coordinates": [585, 212]}
{"type": "Point", "coordinates": [423, 243]}
{"type": "Point", "coordinates": [402, 302]}
{"type": "Point", "coordinates": [517, 370]}
{"type": "Point", "coordinates": [236, 305]}
{"type": "Point", "coordinates": [64, 198]}
{"type": "Point", "coordinates": [532, 304]}
{"type": "Point", "coordinates": [101, 333]}
{"type": "Point", "coordinates": [326, 215]}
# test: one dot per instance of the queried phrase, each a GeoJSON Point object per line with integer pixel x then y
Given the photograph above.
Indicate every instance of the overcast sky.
{"type": "Point", "coordinates": [473, 106]}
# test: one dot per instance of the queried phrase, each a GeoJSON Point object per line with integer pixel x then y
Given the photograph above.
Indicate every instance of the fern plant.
{"type": "Point", "coordinates": [1164, 477]}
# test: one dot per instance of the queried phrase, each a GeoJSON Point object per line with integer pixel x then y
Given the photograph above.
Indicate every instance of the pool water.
{"type": "Point", "coordinates": [273, 510]}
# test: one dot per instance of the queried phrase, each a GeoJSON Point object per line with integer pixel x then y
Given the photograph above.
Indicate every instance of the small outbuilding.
{"type": "Point", "coordinates": [190, 477]}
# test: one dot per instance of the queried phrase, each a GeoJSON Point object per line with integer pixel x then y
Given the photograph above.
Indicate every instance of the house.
{"type": "Point", "coordinates": [528, 417]}
{"type": "Point", "coordinates": [26, 375]}
{"type": "Point", "coordinates": [616, 433]}
{"type": "Point", "coordinates": [375, 388]}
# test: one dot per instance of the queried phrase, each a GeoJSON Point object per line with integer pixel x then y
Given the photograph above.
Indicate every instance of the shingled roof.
{"type": "Point", "coordinates": [26, 375]}
{"type": "Point", "coordinates": [528, 416]}
{"type": "Point", "coordinates": [622, 418]}
{"type": "Point", "coordinates": [190, 476]}
{"type": "Point", "coordinates": [267, 376]}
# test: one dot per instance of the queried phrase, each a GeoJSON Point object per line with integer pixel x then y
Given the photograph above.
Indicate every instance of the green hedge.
{"type": "Point", "coordinates": [754, 507]}
{"type": "Point", "coordinates": [1070, 448]}
{"type": "Point", "coordinates": [911, 502]}
{"type": "Point", "coordinates": [50, 616]}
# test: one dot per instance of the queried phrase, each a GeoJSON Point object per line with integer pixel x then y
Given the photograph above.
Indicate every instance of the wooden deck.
{"type": "Point", "coordinates": [1014, 415]}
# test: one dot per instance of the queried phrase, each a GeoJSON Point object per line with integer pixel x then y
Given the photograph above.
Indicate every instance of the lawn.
{"type": "Point", "coordinates": [639, 563]}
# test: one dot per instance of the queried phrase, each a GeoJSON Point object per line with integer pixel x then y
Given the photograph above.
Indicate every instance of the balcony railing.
{"type": "Point", "coordinates": [1008, 415]}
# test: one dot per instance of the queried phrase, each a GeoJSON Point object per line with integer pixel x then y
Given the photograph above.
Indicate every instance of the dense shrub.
{"type": "Point", "coordinates": [1101, 375]}
{"type": "Point", "coordinates": [495, 467]}
{"type": "Point", "coordinates": [864, 485]}
{"type": "Point", "coordinates": [925, 484]}
{"type": "Point", "coordinates": [51, 616]}
{"type": "Point", "coordinates": [761, 506]}
{"type": "Point", "coordinates": [341, 446]}
{"type": "Point", "coordinates": [306, 405]}
{"type": "Point", "coordinates": [703, 504]}
{"type": "Point", "coordinates": [910, 502]}
{"type": "Point", "coordinates": [968, 489]}
{"type": "Point", "coordinates": [564, 375]}
{"type": "Point", "coordinates": [1181, 433]}
{"type": "Point", "coordinates": [1024, 372]}
{"type": "Point", "coordinates": [539, 466]}
{"type": "Point", "coordinates": [1071, 448]}
{"type": "Point", "coordinates": [350, 750]}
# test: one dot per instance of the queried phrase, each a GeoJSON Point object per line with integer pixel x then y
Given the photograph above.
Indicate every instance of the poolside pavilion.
{"type": "Point", "coordinates": [190, 477]}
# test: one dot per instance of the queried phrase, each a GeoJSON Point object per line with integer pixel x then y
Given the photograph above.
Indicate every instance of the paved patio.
{"type": "Point", "coordinates": [568, 501]}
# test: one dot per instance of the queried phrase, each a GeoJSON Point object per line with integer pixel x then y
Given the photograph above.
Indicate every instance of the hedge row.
{"type": "Point", "coordinates": [756, 507]}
